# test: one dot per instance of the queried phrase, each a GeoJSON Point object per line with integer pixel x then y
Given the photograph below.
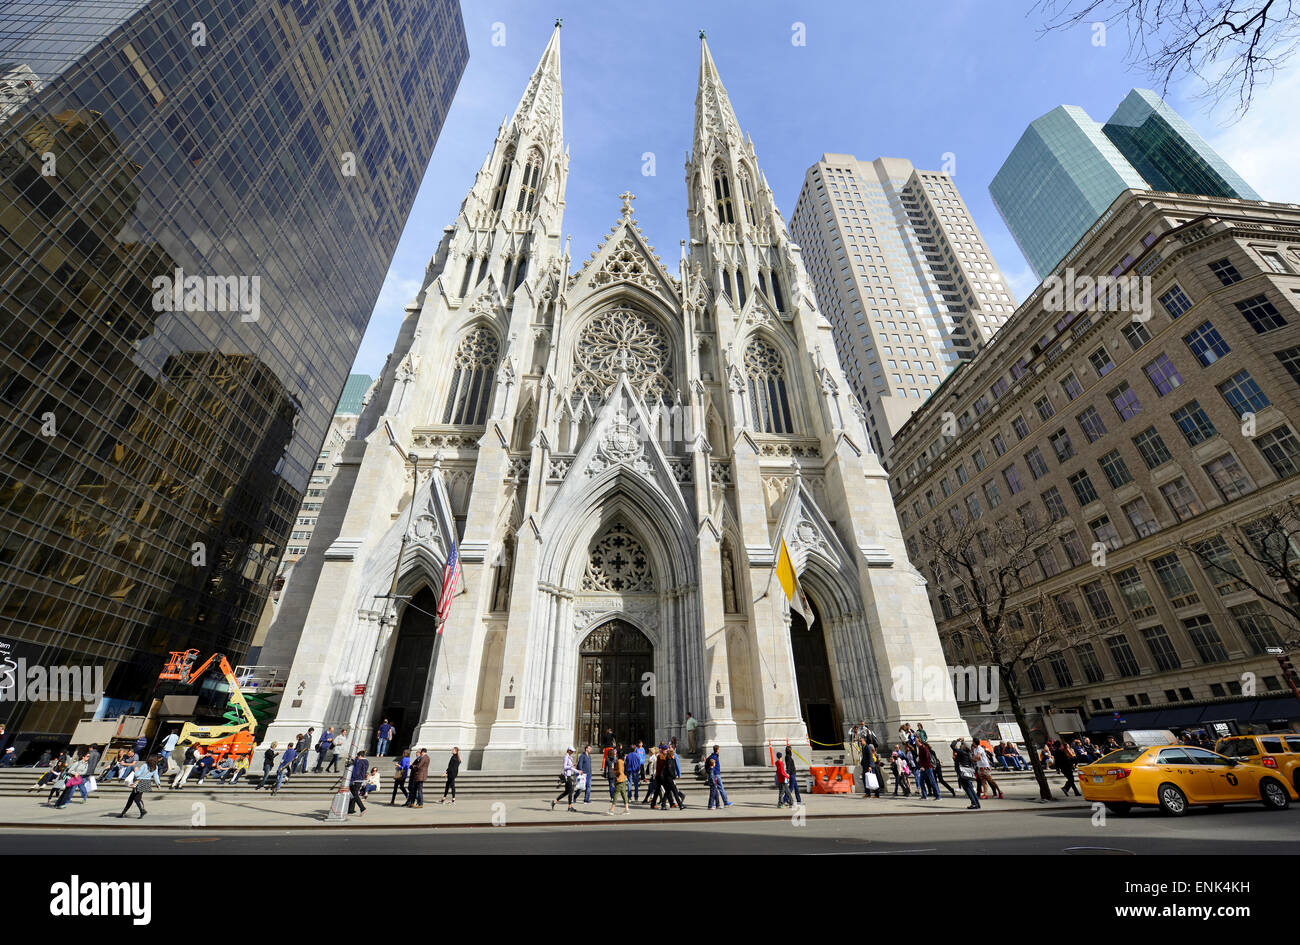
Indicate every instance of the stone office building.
{"type": "Point", "coordinates": [1151, 438]}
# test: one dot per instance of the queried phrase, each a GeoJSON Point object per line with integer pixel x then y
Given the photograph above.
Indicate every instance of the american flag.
{"type": "Point", "coordinates": [450, 578]}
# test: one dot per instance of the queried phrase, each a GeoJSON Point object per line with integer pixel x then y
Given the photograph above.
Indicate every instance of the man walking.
{"type": "Point", "coordinates": [568, 778]}
{"type": "Point", "coordinates": [584, 768]}
{"type": "Point", "coordinates": [925, 770]}
{"type": "Point", "coordinates": [794, 775]}
{"type": "Point", "coordinates": [92, 763]}
{"type": "Point", "coordinates": [691, 726]}
{"type": "Point", "coordinates": [168, 746]}
{"type": "Point", "coordinates": [337, 748]}
{"type": "Point", "coordinates": [419, 772]}
{"type": "Point", "coordinates": [385, 735]}
{"type": "Point", "coordinates": [620, 786]}
{"type": "Point", "coordinates": [357, 782]}
{"type": "Point", "coordinates": [717, 771]}
{"type": "Point", "coordinates": [323, 748]}
{"type": "Point", "coordinates": [611, 773]}
{"type": "Point", "coordinates": [782, 784]}
{"type": "Point", "coordinates": [300, 751]}
{"type": "Point", "coordinates": [633, 764]}
{"type": "Point", "coordinates": [287, 761]}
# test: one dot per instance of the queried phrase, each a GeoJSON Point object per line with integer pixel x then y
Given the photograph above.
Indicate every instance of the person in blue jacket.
{"type": "Point", "coordinates": [286, 765]}
{"type": "Point", "coordinates": [584, 766]}
{"type": "Point", "coordinates": [717, 769]}
{"type": "Point", "coordinates": [633, 765]}
{"type": "Point", "coordinates": [357, 782]}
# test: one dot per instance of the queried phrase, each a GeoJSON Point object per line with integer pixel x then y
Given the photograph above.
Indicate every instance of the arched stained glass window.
{"type": "Point", "coordinates": [747, 196]}
{"type": "Point", "coordinates": [528, 184]}
{"type": "Point", "coordinates": [769, 402]}
{"type": "Point", "coordinates": [722, 194]}
{"type": "Point", "coordinates": [471, 381]}
{"type": "Point", "coordinates": [503, 182]}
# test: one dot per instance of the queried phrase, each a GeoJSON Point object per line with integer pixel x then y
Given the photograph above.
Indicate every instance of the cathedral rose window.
{"type": "Point", "coordinates": [623, 339]}
{"type": "Point", "coordinates": [617, 563]}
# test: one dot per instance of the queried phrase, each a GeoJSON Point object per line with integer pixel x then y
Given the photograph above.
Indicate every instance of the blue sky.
{"type": "Point", "coordinates": [887, 79]}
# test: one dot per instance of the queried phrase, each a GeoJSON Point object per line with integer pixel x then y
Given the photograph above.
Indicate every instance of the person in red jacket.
{"type": "Point", "coordinates": [782, 783]}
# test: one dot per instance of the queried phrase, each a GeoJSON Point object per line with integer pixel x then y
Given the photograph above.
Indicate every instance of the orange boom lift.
{"type": "Point", "coordinates": [236, 739]}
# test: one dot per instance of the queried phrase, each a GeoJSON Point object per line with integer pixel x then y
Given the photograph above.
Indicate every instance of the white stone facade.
{"type": "Point", "coordinates": [618, 453]}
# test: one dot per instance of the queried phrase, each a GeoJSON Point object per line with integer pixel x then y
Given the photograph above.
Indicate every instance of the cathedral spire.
{"type": "Point", "coordinates": [539, 108]}
{"type": "Point", "coordinates": [713, 113]}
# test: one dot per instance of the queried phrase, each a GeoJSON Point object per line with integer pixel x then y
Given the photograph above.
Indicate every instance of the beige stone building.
{"type": "Point", "coordinates": [904, 276]}
{"type": "Point", "coordinates": [1144, 435]}
{"type": "Point", "coordinates": [617, 451]}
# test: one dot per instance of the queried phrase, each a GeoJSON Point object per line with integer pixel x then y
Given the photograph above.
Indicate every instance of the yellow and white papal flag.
{"type": "Point", "coordinates": [790, 585]}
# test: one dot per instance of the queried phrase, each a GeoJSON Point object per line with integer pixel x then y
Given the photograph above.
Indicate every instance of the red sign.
{"type": "Point", "coordinates": [359, 689]}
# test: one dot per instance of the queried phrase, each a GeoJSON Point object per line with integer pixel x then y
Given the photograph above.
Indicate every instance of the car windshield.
{"type": "Point", "coordinates": [1237, 747]}
{"type": "Point", "coordinates": [1125, 756]}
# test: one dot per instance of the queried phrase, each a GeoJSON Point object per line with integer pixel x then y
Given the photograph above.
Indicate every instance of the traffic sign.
{"type": "Point", "coordinates": [359, 689]}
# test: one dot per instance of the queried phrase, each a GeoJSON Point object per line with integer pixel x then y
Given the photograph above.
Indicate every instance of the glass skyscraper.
{"type": "Point", "coordinates": [1067, 169]}
{"type": "Point", "coordinates": [198, 205]}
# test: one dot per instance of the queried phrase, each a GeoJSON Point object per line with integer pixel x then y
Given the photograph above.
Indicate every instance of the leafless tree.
{"type": "Point", "coordinates": [988, 570]}
{"type": "Point", "coordinates": [1272, 541]}
{"type": "Point", "coordinates": [1232, 46]}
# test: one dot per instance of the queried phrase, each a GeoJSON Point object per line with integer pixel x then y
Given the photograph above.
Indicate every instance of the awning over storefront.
{"type": "Point", "coordinates": [1246, 710]}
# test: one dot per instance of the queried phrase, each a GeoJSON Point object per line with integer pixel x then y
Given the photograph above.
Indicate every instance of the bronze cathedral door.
{"type": "Point", "coordinates": [613, 663]}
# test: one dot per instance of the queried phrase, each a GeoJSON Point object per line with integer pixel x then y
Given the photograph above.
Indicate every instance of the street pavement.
{"type": "Point", "coordinates": [826, 824]}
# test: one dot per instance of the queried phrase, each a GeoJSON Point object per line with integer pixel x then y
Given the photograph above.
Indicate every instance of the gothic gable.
{"type": "Point", "coordinates": [625, 257]}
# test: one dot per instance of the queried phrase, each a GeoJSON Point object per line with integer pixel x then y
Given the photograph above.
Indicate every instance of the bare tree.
{"type": "Point", "coordinates": [1232, 46]}
{"type": "Point", "coordinates": [991, 569]}
{"type": "Point", "coordinates": [1272, 541]}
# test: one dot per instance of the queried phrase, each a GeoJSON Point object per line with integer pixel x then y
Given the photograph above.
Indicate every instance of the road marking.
{"type": "Point", "coordinates": [873, 852]}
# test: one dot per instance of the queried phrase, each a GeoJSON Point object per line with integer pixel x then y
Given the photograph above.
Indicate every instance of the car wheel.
{"type": "Point", "coordinates": [1119, 808]}
{"type": "Point", "coordinates": [1172, 800]}
{"type": "Point", "coordinates": [1274, 794]}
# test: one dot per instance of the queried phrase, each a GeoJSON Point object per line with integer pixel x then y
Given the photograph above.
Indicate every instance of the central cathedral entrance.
{"type": "Point", "coordinates": [613, 662]}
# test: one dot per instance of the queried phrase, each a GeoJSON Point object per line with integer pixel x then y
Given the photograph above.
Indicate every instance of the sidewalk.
{"type": "Point", "coordinates": [210, 811]}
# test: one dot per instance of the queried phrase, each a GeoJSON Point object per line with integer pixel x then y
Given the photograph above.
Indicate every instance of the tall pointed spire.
{"type": "Point", "coordinates": [713, 113]}
{"type": "Point", "coordinates": [540, 106]}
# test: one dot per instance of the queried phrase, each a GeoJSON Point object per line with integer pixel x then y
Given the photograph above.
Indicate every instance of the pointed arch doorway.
{"type": "Point", "coordinates": [613, 660]}
{"type": "Point", "coordinates": [812, 673]}
{"type": "Point", "coordinates": [408, 674]}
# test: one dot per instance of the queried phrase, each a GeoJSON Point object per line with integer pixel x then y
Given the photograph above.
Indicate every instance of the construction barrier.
{"type": "Point", "coordinates": [831, 779]}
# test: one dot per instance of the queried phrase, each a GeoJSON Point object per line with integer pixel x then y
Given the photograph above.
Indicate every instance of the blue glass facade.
{"type": "Point", "coordinates": [155, 444]}
{"type": "Point", "coordinates": [1067, 169]}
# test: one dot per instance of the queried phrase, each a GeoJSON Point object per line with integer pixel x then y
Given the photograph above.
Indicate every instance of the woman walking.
{"type": "Point", "coordinates": [401, 767]}
{"type": "Point", "coordinates": [961, 757]}
{"type": "Point", "coordinates": [139, 778]}
{"type": "Point", "coordinates": [453, 768]}
{"type": "Point", "coordinates": [1065, 766]}
{"type": "Point", "coordinates": [672, 796]}
{"type": "Point", "coordinates": [938, 773]}
{"type": "Point", "coordinates": [711, 778]}
{"type": "Point", "coordinates": [569, 776]}
{"type": "Point", "coordinates": [984, 771]}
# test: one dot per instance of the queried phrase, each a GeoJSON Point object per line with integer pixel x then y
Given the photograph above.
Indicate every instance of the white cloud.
{"type": "Point", "coordinates": [1262, 147]}
{"type": "Point", "coordinates": [395, 294]}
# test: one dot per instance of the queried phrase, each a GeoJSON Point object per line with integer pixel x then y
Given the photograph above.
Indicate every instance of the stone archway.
{"type": "Point", "coordinates": [408, 672]}
{"type": "Point", "coordinates": [613, 662]}
{"type": "Point", "coordinates": [812, 670]}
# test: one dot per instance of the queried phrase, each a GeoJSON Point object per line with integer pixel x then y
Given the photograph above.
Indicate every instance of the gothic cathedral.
{"type": "Point", "coordinates": [616, 454]}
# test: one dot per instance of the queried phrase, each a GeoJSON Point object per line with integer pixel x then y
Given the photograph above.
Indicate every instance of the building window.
{"type": "Point", "coordinates": [1000, 447]}
{"type": "Point", "coordinates": [1162, 374]}
{"type": "Point", "coordinates": [1181, 499]}
{"type": "Point", "coordinates": [1037, 465]}
{"type": "Point", "coordinates": [722, 194]}
{"type": "Point", "coordinates": [1091, 424]}
{"type": "Point", "coordinates": [1151, 447]}
{"type": "Point", "coordinates": [769, 402]}
{"type": "Point", "coordinates": [1260, 314]}
{"type": "Point", "coordinates": [973, 506]}
{"type": "Point", "coordinates": [1012, 476]}
{"type": "Point", "coordinates": [1020, 427]}
{"type": "Point", "coordinates": [1195, 423]}
{"type": "Point", "coordinates": [1173, 578]}
{"type": "Point", "coordinates": [1091, 665]}
{"type": "Point", "coordinates": [1125, 401]}
{"type": "Point", "coordinates": [1044, 407]}
{"type": "Point", "coordinates": [1061, 445]}
{"type": "Point", "coordinates": [1161, 648]}
{"type": "Point", "coordinates": [1256, 626]}
{"type": "Point", "coordinates": [1101, 362]}
{"type": "Point", "coordinates": [1290, 359]}
{"type": "Point", "coordinates": [1134, 593]}
{"type": "Point", "coordinates": [503, 573]}
{"type": "Point", "coordinates": [503, 181]}
{"type": "Point", "coordinates": [1047, 561]}
{"type": "Point", "coordinates": [471, 381]}
{"type": "Point", "coordinates": [1220, 566]}
{"type": "Point", "coordinates": [1175, 302]}
{"type": "Point", "coordinates": [1226, 272]}
{"type": "Point", "coordinates": [1061, 670]}
{"type": "Point", "coordinates": [1082, 486]}
{"type": "Point", "coordinates": [1281, 450]}
{"type": "Point", "coordinates": [1274, 261]}
{"type": "Point", "coordinates": [1115, 469]}
{"type": "Point", "coordinates": [528, 183]}
{"type": "Point", "coordinates": [1139, 516]}
{"type": "Point", "coordinates": [747, 197]}
{"type": "Point", "coordinates": [1122, 654]}
{"type": "Point", "coordinates": [992, 495]}
{"type": "Point", "coordinates": [1055, 504]}
{"type": "Point", "coordinates": [1228, 477]}
{"type": "Point", "coordinates": [1070, 386]}
{"type": "Point", "coordinates": [1074, 551]}
{"type": "Point", "coordinates": [1243, 394]}
{"type": "Point", "coordinates": [1136, 334]}
{"type": "Point", "coordinates": [1208, 643]}
{"type": "Point", "coordinates": [1206, 344]}
{"type": "Point", "coordinates": [1105, 532]}
{"type": "Point", "coordinates": [1098, 601]}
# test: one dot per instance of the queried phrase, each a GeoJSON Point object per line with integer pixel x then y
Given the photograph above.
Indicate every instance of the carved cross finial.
{"type": "Point", "coordinates": [559, 23]}
{"type": "Point", "coordinates": [627, 197]}
{"type": "Point", "coordinates": [701, 34]}
{"type": "Point", "coordinates": [622, 360]}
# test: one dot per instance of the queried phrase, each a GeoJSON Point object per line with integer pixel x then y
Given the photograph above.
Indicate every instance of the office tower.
{"type": "Point", "coordinates": [615, 455]}
{"type": "Point", "coordinates": [904, 276]}
{"type": "Point", "coordinates": [1164, 444]}
{"type": "Point", "coordinates": [1066, 170]}
{"type": "Point", "coordinates": [198, 203]}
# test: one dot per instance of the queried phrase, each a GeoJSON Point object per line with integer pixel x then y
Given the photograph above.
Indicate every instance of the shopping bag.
{"type": "Point", "coordinates": [582, 781]}
{"type": "Point", "coordinates": [871, 781]}
{"type": "Point", "coordinates": [92, 785]}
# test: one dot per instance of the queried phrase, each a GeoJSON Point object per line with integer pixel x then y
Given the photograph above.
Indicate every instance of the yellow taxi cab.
{"type": "Point", "coordinates": [1277, 750]}
{"type": "Point", "coordinates": [1175, 777]}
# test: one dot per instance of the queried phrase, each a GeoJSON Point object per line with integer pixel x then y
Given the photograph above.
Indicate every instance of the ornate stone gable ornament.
{"type": "Point", "coordinates": [621, 444]}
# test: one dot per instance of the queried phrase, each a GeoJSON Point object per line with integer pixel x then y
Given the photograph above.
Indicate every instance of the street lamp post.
{"type": "Point", "coordinates": [391, 597]}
